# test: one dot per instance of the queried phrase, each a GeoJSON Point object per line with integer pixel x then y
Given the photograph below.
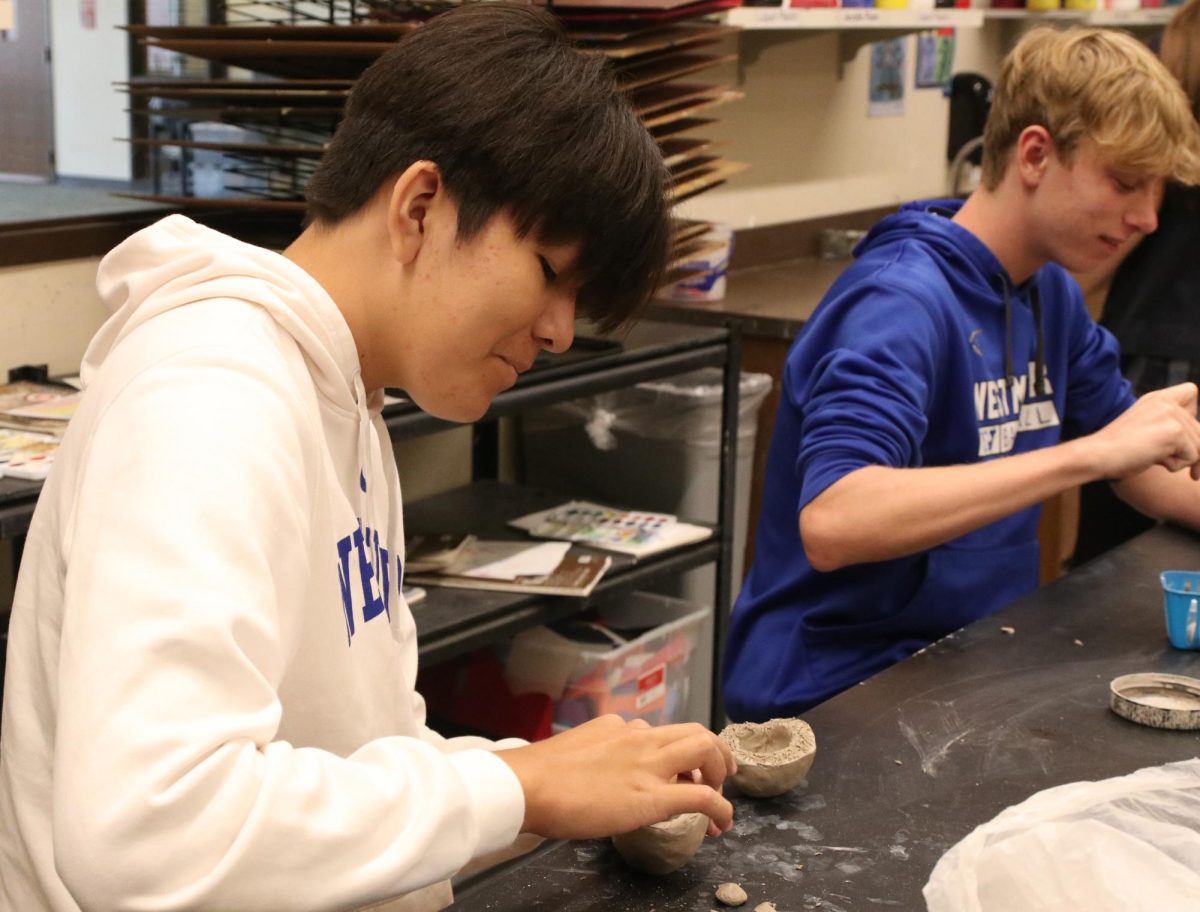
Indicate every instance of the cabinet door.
{"type": "Point", "coordinates": [26, 131]}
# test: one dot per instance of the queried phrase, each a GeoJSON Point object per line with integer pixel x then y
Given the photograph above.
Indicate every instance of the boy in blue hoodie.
{"type": "Point", "coordinates": [951, 380]}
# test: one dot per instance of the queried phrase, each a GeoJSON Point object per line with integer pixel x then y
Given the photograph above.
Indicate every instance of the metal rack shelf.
{"type": "Point", "coordinates": [451, 622]}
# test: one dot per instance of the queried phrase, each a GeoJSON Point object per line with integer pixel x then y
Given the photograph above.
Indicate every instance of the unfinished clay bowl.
{"type": "Point", "coordinates": [661, 848]}
{"type": "Point", "coordinates": [772, 757]}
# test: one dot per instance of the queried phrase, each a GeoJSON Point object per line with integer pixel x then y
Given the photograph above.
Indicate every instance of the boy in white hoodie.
{"type": "Point", "coordinates": [210, 697]}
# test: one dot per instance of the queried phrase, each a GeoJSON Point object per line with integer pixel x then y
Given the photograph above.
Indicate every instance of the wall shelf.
{"type": "Point", "coordinates": [771, 18]}
{"type": "Point", "coordinates": [855, 26]}
{"type": "Point", "coordinates": [760, 18]}
{"type": "Point", "coordinates": [1137, 18]}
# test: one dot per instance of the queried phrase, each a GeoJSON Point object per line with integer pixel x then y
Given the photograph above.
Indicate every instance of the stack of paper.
{"type": "Point", "coordinates": [37, 407]}
{"type": "Point", "coordinates": [546, 569]}
{"type": "Point", "coordinates": [433, 553]}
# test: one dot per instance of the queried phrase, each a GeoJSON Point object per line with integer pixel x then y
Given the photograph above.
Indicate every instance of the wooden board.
{"type": "Point", "coordinates": [249, 85]}
{"type": "Point", "coordinates": [655, 98]}
{"type": "Point", "coordinates": [670, 38]}
{"type": "Point", "coordinates": [375, 31]}
{"type": "Point", "coordinates": [677, 126]}
{"type": "Point", "coordinates": [695, 166]}
{"type": "Point", "coordinates": [282, 58]}
{"type": "Point", "coordinates": [320, 98]}
{"type": "Point", "coordinates": [243, 149]}
{"type": "Point", "coordinates": [679, 150]}
{"type": "Point", "coordinates": [572, 16]}
{"type": "Point", "coordinates": [222, 202]}
{"type": "Point", "coordinates": [705, 181]}
{"type": "Point", "coordinates": [662, 69]}
{"type": "Point", "coordinates": [689, 108]}
{"type": "Point", "coordinates": [687, 229]}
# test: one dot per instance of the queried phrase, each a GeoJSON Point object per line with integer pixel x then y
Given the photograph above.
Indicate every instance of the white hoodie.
{"type": "Point", "coordinates": [210, 698]}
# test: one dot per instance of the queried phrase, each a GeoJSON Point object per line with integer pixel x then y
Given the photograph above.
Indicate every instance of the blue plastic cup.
{"type": "Point", "coordinates": [1181, 603]}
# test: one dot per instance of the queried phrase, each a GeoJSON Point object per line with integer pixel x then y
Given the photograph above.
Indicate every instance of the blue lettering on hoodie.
{"type": "Point", "coordinates": [372, 597]}
{"type": "Point", "coordinates": [923, 353]}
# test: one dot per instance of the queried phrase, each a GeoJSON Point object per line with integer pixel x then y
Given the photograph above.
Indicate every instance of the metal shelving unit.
{"type": "Point", "coordinates": [454, 621]}
{"type": "Point", "coordinates": [451, 622]}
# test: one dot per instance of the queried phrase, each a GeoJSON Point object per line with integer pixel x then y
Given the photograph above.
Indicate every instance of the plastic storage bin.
{"type": "Point", "coordinates": [641, 667]}
{"type": "Point", "coordinates": [1181, 606]}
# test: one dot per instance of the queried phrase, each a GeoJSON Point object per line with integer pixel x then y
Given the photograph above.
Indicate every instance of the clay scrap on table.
{"type": "Point", "coordinates": [731, 894]}
{"type": "Point", "coordinates": [765, 907]}
{"type": "Point", "coordinates": [772, 757]}
{"type": "Point", "coordinates": [661, 848]}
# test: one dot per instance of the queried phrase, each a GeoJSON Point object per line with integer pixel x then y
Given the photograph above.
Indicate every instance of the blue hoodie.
{"type": "Point", "coordinates": [923, 353]}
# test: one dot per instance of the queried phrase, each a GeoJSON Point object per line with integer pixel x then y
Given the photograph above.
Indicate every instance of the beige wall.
{"type": "Point", "coordinates": [48, 312]}
{"type": "Point", "coordinates": [804, 128]}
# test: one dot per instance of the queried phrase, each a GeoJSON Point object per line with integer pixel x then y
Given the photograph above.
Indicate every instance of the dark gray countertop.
{"type": "Point", "coordinates": [911, 761]}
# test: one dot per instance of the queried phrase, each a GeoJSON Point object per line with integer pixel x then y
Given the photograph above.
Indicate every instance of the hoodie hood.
{"type": "Point", "coordinates": [176, 262]}
{"type": "Point", "coordinates": [930, 223]}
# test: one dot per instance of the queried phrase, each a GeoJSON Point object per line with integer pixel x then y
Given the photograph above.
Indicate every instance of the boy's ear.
{"type": "Point", "coordinates": [413, 193]}
{"type": "Point", "coordinates": [1035, 148]}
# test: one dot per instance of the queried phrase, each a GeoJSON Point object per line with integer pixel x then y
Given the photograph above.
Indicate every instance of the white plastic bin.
{"type": "Point", "coordinates": [642, 667]}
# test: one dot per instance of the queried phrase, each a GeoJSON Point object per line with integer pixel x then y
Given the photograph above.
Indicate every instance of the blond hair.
{"type": "Point", "coordinates": [1097, 85]}
{"type": "Point", "coordinates": [1181, 51]}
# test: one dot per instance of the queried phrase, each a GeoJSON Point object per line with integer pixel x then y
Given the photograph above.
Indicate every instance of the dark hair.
{"type": "Point", "coordinates": [516, 119]}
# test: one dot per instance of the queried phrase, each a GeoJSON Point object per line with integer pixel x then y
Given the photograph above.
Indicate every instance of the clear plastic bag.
{"type": "Point", "coordinates": [1117, 845]}
{"type": "Point", "coordinates": [685, 408]}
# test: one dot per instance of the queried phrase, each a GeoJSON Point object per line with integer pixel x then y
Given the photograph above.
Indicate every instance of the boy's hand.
{"type": "Point", "coordinates": [1159, 429]}
{"type": "Point", "coordinates": [610, 776]}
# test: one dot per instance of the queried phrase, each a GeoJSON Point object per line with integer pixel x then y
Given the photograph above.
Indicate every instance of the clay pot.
{"type": "Point", "coordinates": [772, 757]}
{"type": "Point", "coordinates": [661, 848]}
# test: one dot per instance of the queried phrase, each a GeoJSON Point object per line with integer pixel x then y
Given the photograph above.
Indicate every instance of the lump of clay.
{"type": "Point", "coordinates": [765, 907]}
{"type": "Point", "coordinates": [731, 894]}
{"type": "Point", "coordinates": [661, 848]}
{"type": "Point", "coordinates": [772, 757]}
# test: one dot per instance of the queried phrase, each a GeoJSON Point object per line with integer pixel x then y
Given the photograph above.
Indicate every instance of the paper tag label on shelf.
{"type": "Point", "coordinates": [651, 686]}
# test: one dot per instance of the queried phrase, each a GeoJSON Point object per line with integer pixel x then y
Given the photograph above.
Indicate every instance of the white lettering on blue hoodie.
{"type": "Point", "coordinates": [923, 353]}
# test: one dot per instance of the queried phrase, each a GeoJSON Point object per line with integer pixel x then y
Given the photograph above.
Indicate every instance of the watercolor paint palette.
{"type": "Point", "coordinates": [26, 455]}
{"type": "Point", "coordinates": [637, 533]}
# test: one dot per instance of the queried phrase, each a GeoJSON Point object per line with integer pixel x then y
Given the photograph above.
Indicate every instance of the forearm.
{"type": "Point", "coordinates": [1170, 496]}
{"type": "Point", "coordinates": [879, 513]}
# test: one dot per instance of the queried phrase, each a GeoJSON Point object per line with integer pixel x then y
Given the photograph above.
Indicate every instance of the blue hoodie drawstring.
{"type": "Point", "coordinates": [1039, 362]}
{"type": "Point", "coordinates": [1009, 377]}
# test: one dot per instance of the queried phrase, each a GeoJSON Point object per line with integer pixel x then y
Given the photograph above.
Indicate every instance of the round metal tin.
{"type": "Point", "coordinates": [1158, 700]}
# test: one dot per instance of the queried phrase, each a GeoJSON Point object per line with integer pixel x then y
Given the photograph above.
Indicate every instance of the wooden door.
{"type": "Point", "coordinates": [26, 125]}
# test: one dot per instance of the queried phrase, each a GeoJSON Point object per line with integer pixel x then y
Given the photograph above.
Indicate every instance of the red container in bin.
{"type": "Point", "coordinates": [469, 692]}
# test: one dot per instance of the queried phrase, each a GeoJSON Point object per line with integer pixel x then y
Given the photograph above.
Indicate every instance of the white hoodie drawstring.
{"type": "Point", "coordinates": [372, 542]}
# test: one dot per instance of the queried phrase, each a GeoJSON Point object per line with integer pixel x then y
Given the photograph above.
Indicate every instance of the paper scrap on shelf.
{"type": "Point", "coordinates": [505, 560]}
